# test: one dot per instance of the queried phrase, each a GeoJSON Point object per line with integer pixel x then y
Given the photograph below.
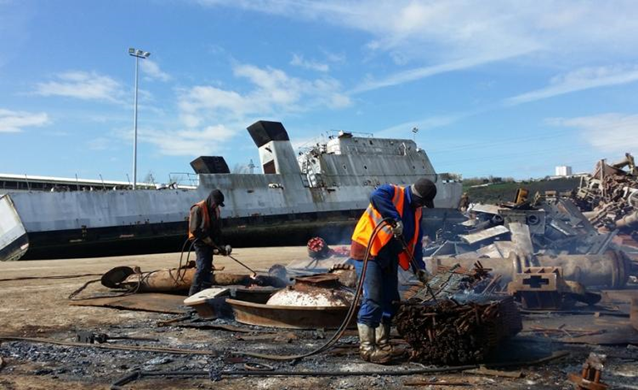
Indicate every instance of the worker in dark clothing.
{"type": "Point", "coordinates": [396, 244]}
{"type": "Point", "coordinates": [204, 228]}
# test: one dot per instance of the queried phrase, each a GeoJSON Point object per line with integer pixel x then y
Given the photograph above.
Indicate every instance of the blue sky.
{"type": "Point", "coordinates": [495, 87]}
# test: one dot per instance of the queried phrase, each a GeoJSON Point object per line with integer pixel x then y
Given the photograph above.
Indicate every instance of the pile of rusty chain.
{"type": "Point", "coordinates": [447, 332]}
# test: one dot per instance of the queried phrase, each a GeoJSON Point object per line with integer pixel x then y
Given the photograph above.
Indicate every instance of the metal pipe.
{"type": "Point", "coordinates": [610, 269]}
{"type": "Point", "coordinates": [175, 279]}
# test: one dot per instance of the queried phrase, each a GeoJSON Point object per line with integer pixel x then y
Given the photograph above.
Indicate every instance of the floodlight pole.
{"type": "Point", "coordinates": [137, 54]}
{"type": "Point", "coordinates": [137, 66]}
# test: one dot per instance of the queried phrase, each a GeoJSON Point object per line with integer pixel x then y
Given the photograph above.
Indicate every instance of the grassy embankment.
{"type": "Point", "coordinates": [505, 192]}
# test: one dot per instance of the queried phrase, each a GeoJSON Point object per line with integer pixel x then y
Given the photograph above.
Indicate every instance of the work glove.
{"type": "Point", "coordinates": [423, 276]}
{"type": "Point", "coordinates": [226, 250]}
{"type": "Point", "coordinates": [397, 228]}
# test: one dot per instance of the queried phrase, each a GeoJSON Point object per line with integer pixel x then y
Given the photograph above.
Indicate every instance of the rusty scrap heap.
{"type": "Point", "coordinates": [546, 231]}
{"type": "Point", "coordinates": [456, 319]}
{"type": "Point", "coordinates": [609, 196]}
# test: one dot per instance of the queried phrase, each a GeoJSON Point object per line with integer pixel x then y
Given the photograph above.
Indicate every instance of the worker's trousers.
{"type": "Point", "coordinates": [380, 289]}
{"type": "Point", "coordinates": [203, 278]}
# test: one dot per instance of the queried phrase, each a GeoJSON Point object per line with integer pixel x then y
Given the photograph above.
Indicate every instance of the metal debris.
{"type": "Point", "coordinates": [486, 234]}
{"type": "Point", "coordinates": [611, 269]}
{"type": "Point", "coordinates": [610, 195]}
{"type": "Point", "coordinates": [36, 340]}
{"type": "Point", "coordinates": [208, 302]}
{"type": "Point", "coordinates": [455, 282]}
{"type": "Point", "coordinates": [450, 333]}
{"type": "Point", "coordinates": [456, 319]}
{"type": "Point", "coordinates": [318, 249]}
{"type": "Point", "coordinates": [313, 302]}
{"type": "Point", "coordinates": [177, 279]}
{"type": "Point", "coordinates": [498, 373]}
{"type": "Point", "coordinates": [590, 378]}
{"type": "Point", "coordinates": [543, 288]}
{"type": "Point", "coordinates": [293, 317]}
{"type": "Point", "coordinates": [89, 337]}
{"type": "Point", "coordinates": [322, 290]}
{"type": "Point", "coordinates": [536, 233]}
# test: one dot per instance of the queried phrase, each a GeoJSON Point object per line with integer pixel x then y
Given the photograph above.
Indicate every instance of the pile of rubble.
{"type": "Point", "coordinates": [545, 247]}
{"type": "Point", "coordinates": [609, 197]}
{"type": "Point", "coordinates": [446, 332]}
{"type": "Point", "coordinates": [551, 226]}
{"type": "Point", "coordinates": [456, 318]}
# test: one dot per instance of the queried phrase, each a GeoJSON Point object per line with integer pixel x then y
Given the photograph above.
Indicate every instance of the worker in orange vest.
{"type": "Point", "coordinates": [204, 228]}
{"type": "Point", "coordinates": [396, 244]}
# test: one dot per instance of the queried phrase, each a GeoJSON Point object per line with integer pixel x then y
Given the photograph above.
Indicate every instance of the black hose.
{"type": "Point", "coordinates": [353, 306]}
{"type": "Point", "coordinates": [190, 248]}
{"type": "Point", "coordinates": [415, 266]}
{"type": "Point", "coordinates": [213, 375]}
{"type": "Point", "coordinates": [180, 276]}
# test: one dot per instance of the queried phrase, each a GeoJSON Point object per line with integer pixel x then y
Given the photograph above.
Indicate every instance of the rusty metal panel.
{"type": "Point", "coordinates": [293, 317]}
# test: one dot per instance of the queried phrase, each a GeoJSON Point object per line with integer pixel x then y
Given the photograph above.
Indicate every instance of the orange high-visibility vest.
{"type": "Point", "coordinates": [204, 208]}
{"type": "Point", "coordinates": [371, 218]}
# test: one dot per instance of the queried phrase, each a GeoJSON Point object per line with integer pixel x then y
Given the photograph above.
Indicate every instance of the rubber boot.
{"type": "Point", "coordinates": [367, 346]}
{"type": "Point", "coordinates": [382, 338]}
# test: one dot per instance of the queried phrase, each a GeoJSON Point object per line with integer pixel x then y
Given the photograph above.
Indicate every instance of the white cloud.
{"type": "Point", "coordinates": [82, 85]}
{"type": "Point", "coordinates": [188, 142]}
{"type": "Point", "coordinates": [448, 35]}
{"type": "Point", "coordinates": [272, 91]}
{"type": "Point", "coordinates": [299, 60]}
{"type": "Point", "coordinates": [426, 71]}
{"type": "Point", "coordinates": [578, 80]}
{"type": "Point", "coordinates": [338, 58]}
{"type": "Point", "coordinates": [611, 132]}
{"type": "Point", "coordinates": [153, 71]}
{"type": "Point", "coordinates": [15, 121]}
{"type": "Point", "coordinates": [211, 115]}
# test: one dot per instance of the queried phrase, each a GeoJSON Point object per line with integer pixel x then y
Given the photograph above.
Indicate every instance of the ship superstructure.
{"type": "Point", "coordinates": [320, 192]}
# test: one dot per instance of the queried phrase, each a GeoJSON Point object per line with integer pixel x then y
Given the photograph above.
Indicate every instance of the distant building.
{"type": "Point", "coordinates": [563, 170]}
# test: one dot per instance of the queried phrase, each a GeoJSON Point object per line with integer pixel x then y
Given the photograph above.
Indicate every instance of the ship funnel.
{"type": "Point", "coordinates": [210, 164]}
{"type": "Point", "coordinates": [275, 150]}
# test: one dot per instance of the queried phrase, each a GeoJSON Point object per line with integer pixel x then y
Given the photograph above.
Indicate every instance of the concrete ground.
{"type": "Point", "coordinates": [39, 308]}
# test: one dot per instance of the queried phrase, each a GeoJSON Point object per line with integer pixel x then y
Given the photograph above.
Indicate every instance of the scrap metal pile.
{"type": "Point", "coordinates": [457, 319]}
{"type": "Point", "coordinates": [546, 226]}
{"type": "Point", "coordinates": [609, 196]}
{"type": "Point", "coordinates": [546, 231]}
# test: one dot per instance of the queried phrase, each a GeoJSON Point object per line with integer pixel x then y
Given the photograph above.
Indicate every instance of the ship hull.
{"type": "Point", "coordinates": [268, 231]}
